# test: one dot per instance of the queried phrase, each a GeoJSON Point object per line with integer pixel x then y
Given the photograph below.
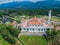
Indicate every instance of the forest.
{"type": "Point", "coordinates": [28, 12]}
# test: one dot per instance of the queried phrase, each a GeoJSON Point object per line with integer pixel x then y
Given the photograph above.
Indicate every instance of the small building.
{"type": "Point", "coordinates": [57, 28]}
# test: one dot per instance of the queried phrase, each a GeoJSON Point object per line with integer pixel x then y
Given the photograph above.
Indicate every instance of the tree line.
{"type": "Point", "coordinates": [29, 12]}
{"type": "Point", "coordinates": [9, 33]}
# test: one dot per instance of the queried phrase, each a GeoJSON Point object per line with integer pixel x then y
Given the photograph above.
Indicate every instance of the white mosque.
{"type": "Point", "coordinates": [35, 24]}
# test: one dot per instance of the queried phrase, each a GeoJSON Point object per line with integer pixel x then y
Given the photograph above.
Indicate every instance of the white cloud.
{"type": "Point", "coordinates": [36, 0]}
{"type": "Point", "coordinates": [5, 1]}
{"type": "Point", "coordinates": [29, 0]}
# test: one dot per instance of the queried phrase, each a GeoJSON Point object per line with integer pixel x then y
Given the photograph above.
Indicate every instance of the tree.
{"type": "Point", "coordinates": [53, 37]}
{"type": "Point", "coordinates": [13, 30]}
{"type": "Point", "coordinates": [8, 37]}
{"type": "Point", "coordinates": [6, 34]}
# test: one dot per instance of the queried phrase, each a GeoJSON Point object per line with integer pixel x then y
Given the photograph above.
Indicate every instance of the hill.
{"type": "Point", "coordinates": [30, 5]}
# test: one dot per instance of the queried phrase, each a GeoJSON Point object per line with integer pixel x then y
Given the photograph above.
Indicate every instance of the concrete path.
{"type": "Point", "coordinates": [32, 33]}
{"type": "Point", "coordinates": [18, 41]}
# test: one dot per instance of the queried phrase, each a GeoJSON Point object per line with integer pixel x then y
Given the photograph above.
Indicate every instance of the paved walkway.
{"type": "Point", "coordinates": [18, 41]}
{"type": "Point", "coordinates": [31, 33]}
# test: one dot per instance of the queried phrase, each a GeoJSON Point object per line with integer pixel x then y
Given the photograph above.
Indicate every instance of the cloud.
{"type": "Point", "coordinates": [37, 0]}
{"type": "Point", "coordinates": [5, 1]}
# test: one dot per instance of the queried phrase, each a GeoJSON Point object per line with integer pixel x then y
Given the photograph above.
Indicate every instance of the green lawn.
{"type": "Point", "coordinates": [2, 41]}
{"type": "Point", "coordinates": [54, 18]}
{"type": "Point", "coordinates": [33, 40]}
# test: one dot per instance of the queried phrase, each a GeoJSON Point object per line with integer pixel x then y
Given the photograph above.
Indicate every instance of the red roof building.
{"type": "Point", "coordinates": [35, 25]}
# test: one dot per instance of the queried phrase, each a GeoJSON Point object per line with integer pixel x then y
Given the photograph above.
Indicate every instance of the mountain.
{"type": "Point", "coordinates": [30, 5]}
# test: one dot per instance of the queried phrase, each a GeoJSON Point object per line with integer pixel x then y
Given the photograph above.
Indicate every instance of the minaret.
{"type": "Point", "coordinates": [49, 17]}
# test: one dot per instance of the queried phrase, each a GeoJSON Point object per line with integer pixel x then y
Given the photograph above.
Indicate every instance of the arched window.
{"type": "Point", "coordinates": [24, 28]}
{"type": "Point", "coordinates": [35, 25]}
{"type": "Point", "coordinates": [33, 29]}
{"type": "Point", "coordinates": [41, 29]}
{"type": "Point", "coordinates": [38, 25]}
{"type": "Point", "coordinates": [27, 29]}
{"type": "Point", "coordinates": [41, 25]}
{"type": "Point", "coordinates": [30, 25]}
{"type": "Point", "coordinates": [44, 29]}
{"type": "Point", "coordinates": [30, 28]}
{"type": "Point", "coordinates": [38, 29]}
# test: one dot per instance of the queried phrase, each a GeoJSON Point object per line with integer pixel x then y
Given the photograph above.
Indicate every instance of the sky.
{"type": "Point", "coordinates": [5, 1]}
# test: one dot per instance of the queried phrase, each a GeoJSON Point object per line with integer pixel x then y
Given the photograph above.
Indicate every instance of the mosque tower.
{"type": "Point", "coordinates": [49, 17]}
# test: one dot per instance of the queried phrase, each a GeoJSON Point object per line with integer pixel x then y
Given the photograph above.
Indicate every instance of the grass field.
{"type": "Point", "coordinates": [2, 41]}
{"type": "Point", "coordinates": [33, 40]}
{"type": "Point", "coordinates": [53, 18]}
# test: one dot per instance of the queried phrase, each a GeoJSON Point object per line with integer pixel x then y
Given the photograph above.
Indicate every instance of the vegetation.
{"type": "Point", "coordinates": [2, 41]}
{"type": "Point", "coordinates": [33, 40]}
{"type": "Point", "coordinates": [28, 12]}
{"type": "Point", "coordinates": [9, 33]}
{"type": "Point", "coordinates": [50, 34]}
{"type": "Point", "coordinates": [14, 31]}
{"type": "Point", "coordinates": [53, 37]}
